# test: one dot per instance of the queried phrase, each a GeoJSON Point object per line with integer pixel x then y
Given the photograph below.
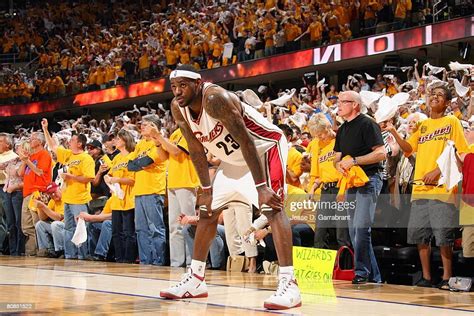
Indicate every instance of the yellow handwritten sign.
{"type": "Point", "coordinates": [313, 270]}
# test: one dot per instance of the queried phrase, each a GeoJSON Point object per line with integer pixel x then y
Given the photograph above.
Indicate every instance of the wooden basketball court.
{"type": "Point", "coordinates": [53, 286]}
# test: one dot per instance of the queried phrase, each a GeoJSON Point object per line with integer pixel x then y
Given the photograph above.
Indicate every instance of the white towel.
{"type": "Point", "coordinates": [283, 99]}
{"type": "Point", "coordinates": [450, 174]}
{"type": "Point", "coordinates": [254, 242]}
{"type": "Point", "coordinates": [116, 189]}
{"type": "Point", "coordinates": [460, 89]}
{"type": "Point", "coordinates": [369, 77]}
{"type": "Point", "coordinates": [80, 235]}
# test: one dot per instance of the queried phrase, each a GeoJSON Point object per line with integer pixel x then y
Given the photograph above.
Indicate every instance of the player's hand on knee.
{"type": "Point", "coordinates": [205, 202]}
{"type": "Point", "coordinates": [268, 198]}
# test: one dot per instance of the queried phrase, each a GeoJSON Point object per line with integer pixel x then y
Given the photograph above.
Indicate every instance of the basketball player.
{"type": "Point", "coordinates": [253, 154]}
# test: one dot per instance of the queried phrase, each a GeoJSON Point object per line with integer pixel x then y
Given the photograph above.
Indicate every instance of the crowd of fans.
{"type": "Point", "coordinates": [85, 45]}
{"type": "Point", "coordinates": [110, 172]}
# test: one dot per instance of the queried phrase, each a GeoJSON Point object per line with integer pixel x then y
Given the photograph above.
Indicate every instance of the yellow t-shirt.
{"type": "Point", "coordinates": [402, 7]}
{"type": "Point", "coordinates": [100, 79]}
{"type": "Point", "coordinates": [79, 165]}
{"type": "Point", "coordinates": [294, 165]}
{"type": "Point", "coordinates": [151, 180]}
{"type": "Point", "coordinates": [269, 38]}
{"type": "Point", "coordinates": [56, 206]}
{"type": "Point", "coordinates": [315, 31]}
{"type": "Point", "coordinates": [181, 171]}
{"type": "Point", "coordinates": [107, 207]}
{"type": "Point", "coordinates": [143, 62]}
{"type": "Point", "coordinates": [269, 4]}
{"type": "Point", "coordinates": [110, 74]}
{"type": "Point", "coordinates": [171, 57]}
{"type": "Point", "coordinates": [429, 142]}
{"type": "Point", "coordinates": [327, 172]}
{"type": "Point", "coordinates": [119, 170]}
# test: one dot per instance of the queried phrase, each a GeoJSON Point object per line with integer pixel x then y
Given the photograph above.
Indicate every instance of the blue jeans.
{"type": "Point", "coordinates": [150, 228]}
{"type": "Point", "coordinates": [99, 237]}
{"type": "Point", "coordinates": [70, 213]}
{"type": "Point", "coordinates": [217, 249]}
{"type": "Point", "coordinates": [57, 229]}
{"type": "Point", "coordinates": [50, 236]}
{"type": "Point", "coordinates": [124, 236]}
{"type": "Point", "coordinates": [12, 206]}
{"type": "Point", "coordinates": [3, 219]}
{"type": "Point", "coordinates": [360, 222]}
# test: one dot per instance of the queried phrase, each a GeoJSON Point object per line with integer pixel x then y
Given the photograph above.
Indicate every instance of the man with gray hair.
{"type": "Point", "coordinates": [148, 163]}
{"type": "Point", "coordinates": [360, 138]}
{"type": "Point", "coordinates": [36, 169]}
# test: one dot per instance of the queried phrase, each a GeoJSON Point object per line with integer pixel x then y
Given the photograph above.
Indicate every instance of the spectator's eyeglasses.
{"type": "Point", "coordinates": [345, 101]}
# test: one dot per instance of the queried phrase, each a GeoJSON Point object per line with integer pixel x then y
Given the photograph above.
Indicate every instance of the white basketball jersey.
{"type": "Point", "coordinates": [219, 142]}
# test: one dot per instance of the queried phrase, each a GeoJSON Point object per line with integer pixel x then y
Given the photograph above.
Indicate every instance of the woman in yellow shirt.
{"type": "Point", "coordinates": [327, 178]}
{"type": "Point", "coordinates": [122, 201]}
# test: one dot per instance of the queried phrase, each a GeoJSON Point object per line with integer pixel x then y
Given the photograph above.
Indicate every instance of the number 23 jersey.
{"type": "Point", "coordinates": [219, 142]}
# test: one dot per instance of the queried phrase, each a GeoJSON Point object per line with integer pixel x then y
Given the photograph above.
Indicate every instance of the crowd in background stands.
{"type": "Point", "coordinates": [86, 45]}
{"type": "Point", "coordinates": [306, 116]}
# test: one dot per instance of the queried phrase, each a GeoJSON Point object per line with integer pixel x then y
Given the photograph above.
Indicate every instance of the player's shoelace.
{"type": "Point", "coordinates": [282, 287]}
{"type": "Point", "coordinates": [185, 278]}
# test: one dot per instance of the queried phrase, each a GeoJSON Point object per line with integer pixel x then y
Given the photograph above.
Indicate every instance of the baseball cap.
{"type": "Point", "coordinates": [95, 143]}
{"type": "Point", "coordinates": [51, 188]}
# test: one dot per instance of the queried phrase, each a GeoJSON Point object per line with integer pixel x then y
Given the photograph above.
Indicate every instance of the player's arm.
{"type": "Point", "coordinates": [196, 150]}
{"type": "Point", "coordinates": [222, 106]}
{"type": "Point", "coordinates": [45, 213]}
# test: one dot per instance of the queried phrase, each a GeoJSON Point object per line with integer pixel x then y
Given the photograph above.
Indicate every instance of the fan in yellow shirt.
{"type": "Point", "coordinates": [77, 177]}
{"type": "Point", "coordinates": [122, 201]}
{"type": "Point", "coordinates": [182, 183]}
{"type": "Point", "coordinates": [433, 212]}
{"type": "Point", "coordinates": [50, 226]}
{"type": "Point", "coordinates": [428, 142]}
{"type": "Point", "coordinates": [326, 178]}
{"type": "Point", "coordinates": [78, 166]}
{"type": "Point", "coordinates": [149, 164]}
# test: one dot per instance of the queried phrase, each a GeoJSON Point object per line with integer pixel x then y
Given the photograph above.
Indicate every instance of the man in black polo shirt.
{"type": "Point", "coordinates": [360, 137]}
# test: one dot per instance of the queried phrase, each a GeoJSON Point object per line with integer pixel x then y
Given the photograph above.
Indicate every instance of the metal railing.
{"type": "Point", "coordinates": [439, 6]}
{"type": "Point", "coordinates": [10, 58]}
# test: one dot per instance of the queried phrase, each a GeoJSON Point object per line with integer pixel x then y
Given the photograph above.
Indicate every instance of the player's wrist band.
{"type": "Point", "coordinates": [207, 188]}
{"type": "Point", "coordinates": [261, 184]}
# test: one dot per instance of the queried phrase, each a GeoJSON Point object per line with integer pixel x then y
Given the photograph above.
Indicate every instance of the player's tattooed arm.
{"type": "Point", "coordinates": [223, 106]}
{"type": "Point", "coordinates": [196, 150]}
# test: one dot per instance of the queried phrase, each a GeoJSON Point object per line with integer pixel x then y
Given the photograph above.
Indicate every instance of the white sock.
{"type": "Point", "coordinates": [198, 267]}
{"type": "Point", "coordinates": [287, 272]}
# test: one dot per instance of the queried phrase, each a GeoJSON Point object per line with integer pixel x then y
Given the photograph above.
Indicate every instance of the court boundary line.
{"type": "Point", "coordinates": [261, 289]}
{"type": "Point", "coordinates": [151, 297]}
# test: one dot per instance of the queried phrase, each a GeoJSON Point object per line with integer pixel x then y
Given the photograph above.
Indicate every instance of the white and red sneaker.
{"type": "Point", "coordinates": [190, 286]}
{"type": "Point", "coordinates": [286, 296]}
